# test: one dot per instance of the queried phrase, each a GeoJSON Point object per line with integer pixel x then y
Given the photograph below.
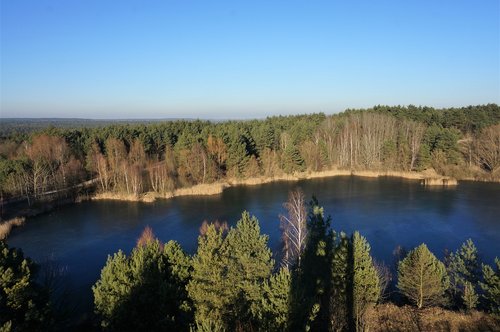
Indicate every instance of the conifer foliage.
{"type": "Point", "coordinates": [24, 304]}
{"type": "Point", "coordinates": [229, 273]}
{"type": "Point", "coordinates": [365, 280]}
{"type": "Point", "coordinates": [464, 271]}
{"type": "Point", "coordinates": [422, 278]}
{"type": "Point", "coordinates": [491, 287]}
{"type": "Point", "coordinates": [144, 291]}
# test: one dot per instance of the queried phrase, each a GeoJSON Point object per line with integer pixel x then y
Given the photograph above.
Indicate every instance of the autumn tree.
{"type": "Point", "coordinates": [163, 173]}
{"type": "Point", "coordinates": [487, 148]}
{"type": "Point", "coordinates": [422, 278]}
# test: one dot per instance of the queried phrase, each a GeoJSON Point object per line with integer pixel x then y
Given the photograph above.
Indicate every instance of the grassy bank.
{"type": "Point", "coordinates": [6, 226]}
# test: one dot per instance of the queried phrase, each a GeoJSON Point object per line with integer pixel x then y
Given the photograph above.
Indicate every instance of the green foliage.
{"type": "Point", "coordinates": [24, 304]}
{"type": "Point", "coordinates": [491, 287]}
{"type": "Point", "coordinates": [464, 269]}
{"type": "Point", "coordinates": [469, 296]}
{"type": "Point", "coordinates": [292, 160]}
{"type": "Point", "coordinates": [208, 326]}
{"type": "Point", "coordinates": [145, 291]}
{"type": "Point", "coordinates": [365, 280]}
{"type": "Point", "coordinates": [422, 278]}
{"type": "Point", "coordinates": [209, 287]}
{"type": "Point", "coordinates": [276, 301]}
{"type": "Point", "coordinates": [341, 284]}
{"type": "Point", "coordinates": [229, 274]}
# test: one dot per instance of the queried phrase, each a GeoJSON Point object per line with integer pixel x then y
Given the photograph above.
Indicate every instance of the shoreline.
{"type": "Point", "coordinates": [427, 178]}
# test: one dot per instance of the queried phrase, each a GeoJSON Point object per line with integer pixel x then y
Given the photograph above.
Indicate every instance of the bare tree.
{"type": "Point", "coordinates": [293, 227]}
{"type": "Point", "coordinates": [487, 148]}
{"type": "Point", "coordinates": [384, 277]}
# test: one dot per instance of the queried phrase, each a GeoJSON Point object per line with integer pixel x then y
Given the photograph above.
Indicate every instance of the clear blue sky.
{"type": "Point", "coordinates": [241, 59]}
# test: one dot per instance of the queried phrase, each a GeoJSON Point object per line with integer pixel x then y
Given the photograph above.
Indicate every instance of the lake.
{"type": "Point", "coordinates": [388, 211]}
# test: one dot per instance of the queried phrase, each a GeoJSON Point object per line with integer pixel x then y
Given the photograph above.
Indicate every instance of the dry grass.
{"type": "Point", "coordinates": [388, 317]}
{"type": "Point", "coordinates": [218, 187]}
{"type": "Point", "coordinates": [6, 226]}
{"type": "Point", "coordinates": [148, 197]}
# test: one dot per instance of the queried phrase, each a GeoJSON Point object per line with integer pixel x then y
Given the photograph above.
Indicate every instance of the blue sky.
{"type": "Point", "coordinates": [243, 59]}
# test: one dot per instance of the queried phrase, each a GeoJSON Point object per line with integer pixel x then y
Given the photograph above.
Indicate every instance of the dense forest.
{"type": "Point", "coordinates": [158, 157]}
{"type": "Point", "coordinates": [321, 280]}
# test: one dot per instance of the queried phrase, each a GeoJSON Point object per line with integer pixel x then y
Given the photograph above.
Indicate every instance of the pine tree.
{"type": "Point", "coordinates": [24, 304]}
{"type": "Point", "coordinates": [250, 264]}
{"type": "Point", "coordinates": [145, 291]}
{"type": "Point", "coordinates": [229, 274]}
{"type": "Point", "coordinates": [422, 278]}
{"type": "Point", "coordinates": [292, 160]}
{"type": "Point", "coordinates": [365, 281]}
{"type": "Point", "coordinates": [276, 301]}
{"type": "Point", "coordinates": [491, 287]}
{"type": "Point", "coordinates": [463, 267]}
{"type": "Point", "coordinates": [339, 320]}
{"type": "Point", "coordinates": [209, 288]}
{"type": "Point", "coordinates": [469, 296]}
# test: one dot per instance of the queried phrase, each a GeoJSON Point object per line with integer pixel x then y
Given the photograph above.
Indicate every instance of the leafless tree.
{"type": "Point", "coordinates": [384, 277]}
{"type": "Point", "coordinates": [293, 227]}
{"type": "Point", "coordinates": [487, 148]}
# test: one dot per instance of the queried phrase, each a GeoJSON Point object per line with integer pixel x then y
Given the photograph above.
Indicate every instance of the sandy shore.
{"type": "Point", "coordinates": [428, 178]}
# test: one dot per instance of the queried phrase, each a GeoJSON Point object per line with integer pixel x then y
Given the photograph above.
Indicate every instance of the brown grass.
{"type": "Point", "coordinates": [6, 226]}
{"type": "Point", "coordinates": [388, 317]}
{"type": "Point", "coordinates": [430, 177]}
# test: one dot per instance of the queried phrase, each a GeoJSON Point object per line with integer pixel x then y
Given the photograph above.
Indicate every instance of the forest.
{"type": "Point", "coordinates": [51, 163]}
{"type": "Point", "coordinates": [321, 280]}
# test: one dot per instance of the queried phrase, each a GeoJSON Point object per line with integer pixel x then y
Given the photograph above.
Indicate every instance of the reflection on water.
{"type": "Point", "coordinates": [388, 211]}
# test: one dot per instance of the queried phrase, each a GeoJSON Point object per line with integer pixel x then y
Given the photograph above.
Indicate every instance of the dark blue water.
{"type": "Point", "coordinates": [388, 211]}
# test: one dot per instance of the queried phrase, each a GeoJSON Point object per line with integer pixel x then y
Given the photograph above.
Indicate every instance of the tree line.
{"type": "Point", "coordinates": [161, 156]}
{"type": "Point", "coordinates": [322, 280]}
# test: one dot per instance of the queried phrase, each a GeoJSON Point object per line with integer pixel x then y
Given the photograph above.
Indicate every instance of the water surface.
{"type": "Point", "coordinates": [388, 211]}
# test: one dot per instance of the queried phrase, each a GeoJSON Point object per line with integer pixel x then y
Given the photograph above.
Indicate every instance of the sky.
{"type": "Point", "coordinates": [243, 59]}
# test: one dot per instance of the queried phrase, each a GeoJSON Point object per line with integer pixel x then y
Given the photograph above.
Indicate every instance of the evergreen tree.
{"type": "Point", "coordinates": [469, 296]}
{"type": "Point", "coordinates": [209, 287]}
{"type": "Point", "coordinates": [491, 287]}
{"type": "Point", "coordinates": [292, 160]}
{"type": "Point", "coordinates": [145, 291]}
{"type": "Point", "coordinates": [422, 278]}
{"type": "Point", "coordinates": [229, 274]}
{"type": "Point", "coordinates": [276, 301]}
{"type": "Point", "coordinates": [365, 280]}
{"type": "Point", "coordinates": [341, 284]}
{"type": "Point", "coordinates": [250, 264]}
{"type": "Point", "coordinates": [463, 267]}
{"type": "Point", "coordinates": [24, 304]}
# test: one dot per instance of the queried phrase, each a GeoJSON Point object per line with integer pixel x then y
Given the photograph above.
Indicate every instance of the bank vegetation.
{"type": "Point", "coordinates": [165, 158]}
